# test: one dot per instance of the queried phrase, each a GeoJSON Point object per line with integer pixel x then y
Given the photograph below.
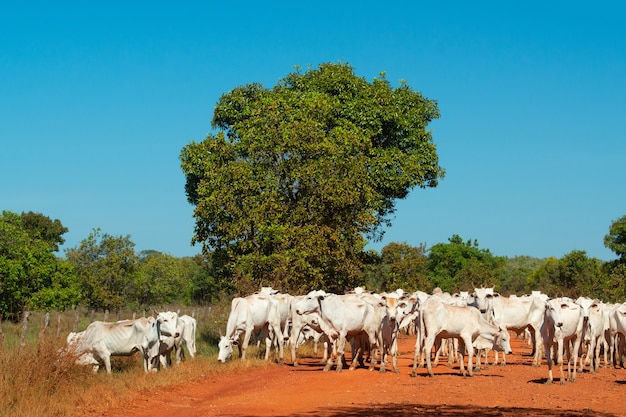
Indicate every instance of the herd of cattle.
{"type": "Point", "coordinates": [154, 337]}
{"type": "Point", "coordinates": [464, 324]}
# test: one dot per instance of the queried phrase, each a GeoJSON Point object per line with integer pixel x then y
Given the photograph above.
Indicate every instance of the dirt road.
{"type": "Point", "coordinates": [517, 389]}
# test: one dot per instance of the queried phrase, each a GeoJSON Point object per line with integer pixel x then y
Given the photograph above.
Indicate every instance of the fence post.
{"type": "Point", "coordinates": [1, 335]}
{"type": "Point", "coordinates": [75, 326]}
{"type": "Point", "coordinates": [106, 315]}
{"type": "Point", "coordinates": [46, 321]}
{"type": "Point", "coordinates": [24, 327]}
{"type": "Point", "coordinates": [58, 325]}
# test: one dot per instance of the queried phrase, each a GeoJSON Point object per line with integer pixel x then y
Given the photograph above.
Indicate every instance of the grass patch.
{"type": "Point", "coordinates": [36, 381]}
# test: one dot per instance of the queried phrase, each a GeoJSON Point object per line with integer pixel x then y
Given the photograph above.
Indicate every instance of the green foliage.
{"type": "Point", "coordinates": [614, 281]}
{"type": "Point", "coordinates": [615, 240]}
{"type": "Point", "coordinates": [299, 174]}
{"type": "Point", "coordinates": [31, 276]}
{"type": "Point", "coordinates": [399, 266]}
{"type": "Point", "coordinates": [106, 267]}
{"type": "Point", "coordinates": [158, 281]}
{"type": "Point", "coordinates": [516, 273]}
{"type": "Point", "coordinates": [460, 265]}
{"type": "Point", "coordinates": [580, 275]}
{"type": "Point", "coordinates": [44, 228]}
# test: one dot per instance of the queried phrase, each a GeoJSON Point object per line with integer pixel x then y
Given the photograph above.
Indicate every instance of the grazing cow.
{"type": "Point", "coordinates": [442, 320]}
{"type": "Point", "coordinates": [101, 340]}
{"type": "Point", "coordinates": [341, 317]}
{"type": "Point", "coordinates": [256, 313]}
{"type": "Point", "coordinates": [562, 325]}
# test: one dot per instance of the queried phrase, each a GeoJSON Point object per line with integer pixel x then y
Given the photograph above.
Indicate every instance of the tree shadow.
{"type": "Point", "coordinates": [409, 409]}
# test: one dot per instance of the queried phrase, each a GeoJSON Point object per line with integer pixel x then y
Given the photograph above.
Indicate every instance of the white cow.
{"type": "Point", "coordinates": [302, 327]}
{"type": "Point", "coordinates": [101, 340]}
{"type": "Point", "coordinates": [617, 320]}
{"type": "Point", "coordinates": [400, 310]}
{"type": "Point", "coordinates": [341, 317]}
{"type": "Point", "coordinates": [442, 320]}
{"type": "Point", "coordinates": [185, 334]}
{"type": "Point", "coordinates": [517, 314]}
{"type": "Point", "coordinates": [562, 325]}
{"type": "Point", "coordinates": [256, 313]}
{"type": "Point", "coordinates": [595, 317]}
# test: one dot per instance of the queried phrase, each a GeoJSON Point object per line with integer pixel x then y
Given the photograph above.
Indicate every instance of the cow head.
{"type": "Point", "coordinates": [226, 346]}
{"type": "Point", "coordinates": [168, 324]}
{"type": "Point", "coordinates": [503, 341]}
{"type": "Point", "coordinates": [310, 303]}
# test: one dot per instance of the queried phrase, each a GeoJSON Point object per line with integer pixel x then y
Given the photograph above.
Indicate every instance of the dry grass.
{"type": "Point", "coordinates": [37, 381]}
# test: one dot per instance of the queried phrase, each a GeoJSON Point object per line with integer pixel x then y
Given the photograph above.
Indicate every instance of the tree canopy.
{"type": "Point", "coordinates": [615, 240]}
{"type": "Point", "coordinates": [31, 276]}
{"type": "Point", "coordinates": [299, 176]}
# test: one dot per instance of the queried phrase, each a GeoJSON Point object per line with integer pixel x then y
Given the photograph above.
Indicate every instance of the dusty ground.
{"type": "Point", "coordinates": [517, 389]}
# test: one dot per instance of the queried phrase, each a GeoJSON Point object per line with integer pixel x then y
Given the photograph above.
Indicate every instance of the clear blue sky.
{"type": "Point", "coordinates": [98, 99]}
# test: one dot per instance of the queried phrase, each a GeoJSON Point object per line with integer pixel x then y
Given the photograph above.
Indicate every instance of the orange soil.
{"type": "Point", "coordinates": [517, 389]}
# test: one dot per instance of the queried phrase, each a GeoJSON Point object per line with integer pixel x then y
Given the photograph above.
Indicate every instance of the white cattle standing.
{"type": "Point", "coordinates": [562, 324]}
{"type": "Point", "coordinates": [517, 314]}
{"type": "Point", "coordinates": [185, 333]}
{"type": "Point", "coordinates": [440, 320]}
{"type": "Point", "coordinates": [340, 317]}
{"type": "Point", "coordinates": [256, 313]}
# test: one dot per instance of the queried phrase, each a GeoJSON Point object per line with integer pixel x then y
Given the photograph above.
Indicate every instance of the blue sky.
{"type": "Point", "coordinates": [98, 99]}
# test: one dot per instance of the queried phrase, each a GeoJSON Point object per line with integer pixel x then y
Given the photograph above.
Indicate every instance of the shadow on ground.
{"type": "Point", "coordinates": [405, 410]}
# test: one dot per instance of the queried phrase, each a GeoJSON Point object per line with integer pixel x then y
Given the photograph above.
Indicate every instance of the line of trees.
{"type": "Point", "coordinates": [105, 273]}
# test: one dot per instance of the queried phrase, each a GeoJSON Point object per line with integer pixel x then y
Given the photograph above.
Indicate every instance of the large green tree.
{"type": "Point", "coordinates": [298, 176]}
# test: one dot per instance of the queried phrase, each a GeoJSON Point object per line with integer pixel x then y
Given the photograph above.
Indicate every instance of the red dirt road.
{"type": "Point", "coordinates": [517, 389]}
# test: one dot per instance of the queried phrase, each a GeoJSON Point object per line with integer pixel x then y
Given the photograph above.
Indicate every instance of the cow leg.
{"type": "Point", "coordinates": [559, 360]}
{"type": "Point", "coordinates": [107, 363]}
{"type": "Point", "coordinates": [417, 355]}
{"type": "Point", "coordinates": [394, 355]}
{"type": "Point", "coordinates": [428, 345]}
{"type": "Point", "coordinates": [243, 346]}
{"type": "Point", "coordinates": [281, 353]}
{"type": "Point", "coordinates": [536, 339]}
{"type": "Point", "coordinates": [329, 362]}
{"type": "Point", "coordinates": [341, 346]}
{"type": "Point", "coordinates": [548, 350]}
{"type": "Point", "coordinates": [470, 356]}
{"type": "Point", "coordinates": [576, 348]}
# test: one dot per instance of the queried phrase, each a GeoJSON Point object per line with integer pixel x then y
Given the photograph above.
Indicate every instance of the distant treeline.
{"type": "Point", "coordinates": [105, 273]}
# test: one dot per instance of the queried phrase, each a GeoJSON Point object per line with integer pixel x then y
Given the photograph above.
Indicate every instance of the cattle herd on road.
{"type": "Point", "coordinates": [154, 337]}
{"type": "Point", "coordinates": [460, 325]}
